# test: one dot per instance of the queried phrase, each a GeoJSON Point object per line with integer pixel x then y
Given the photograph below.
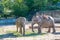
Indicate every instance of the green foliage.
{"type": "Point", "coordinates": [28, 33]}
{"type": "Point", "coordinates": [40, 4]}
{"type": "Point", "coordinates": [24, 7]}
{"type": "Point", "coordinates": [20, 9]}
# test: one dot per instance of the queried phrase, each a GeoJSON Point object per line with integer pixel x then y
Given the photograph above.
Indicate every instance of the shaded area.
{"type": "Point", "coordinates": [57, 33]}
{"type": "Point", "coordinates": [9, 35]}
{"type": "Point", "coordinates": [34, 34]}
{"type": "Point", "coordinates": [12, 35]}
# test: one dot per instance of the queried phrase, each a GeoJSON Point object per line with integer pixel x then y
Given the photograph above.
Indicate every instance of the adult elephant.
{"type": "Point", "coordinates": [43, 21]}
{"type": "Point", "coordinates": [37, 20]}
{"type": "Point", "coordinates": [20, 24]}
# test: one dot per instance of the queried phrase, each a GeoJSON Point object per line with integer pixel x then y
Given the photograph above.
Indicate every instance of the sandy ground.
{"type": "Point", "coordinates": [48, 36]}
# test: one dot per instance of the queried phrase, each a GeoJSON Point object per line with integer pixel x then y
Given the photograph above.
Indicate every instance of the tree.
{"type": "Point", "coordinates": [20, 9]}
{"type": "Point", "coordinates": [26, 7]}
{"type": "Point", "coordinates": [7, 6]}
{"type": "Point", "coordinates": [17, 6]}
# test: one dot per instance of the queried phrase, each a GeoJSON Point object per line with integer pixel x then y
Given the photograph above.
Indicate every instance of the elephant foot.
{"type": "Point", "coordinates": [20, 32]}
{"type": "Point", "coordinates": [32, 31]}
{"type": "Point", "coordinates": [23, 34]}
{"type": "Point", "coordinates": [16, 31]}
{"type": "Point", "coordinates": [48, 31]}
{"type": "Point", "coordinates": [53, 32]}
{"type": "Point", "coordinates": [39, 32]}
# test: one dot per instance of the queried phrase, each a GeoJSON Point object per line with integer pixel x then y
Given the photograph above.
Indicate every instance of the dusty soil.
{"type": "Point", "coordinates": [47, 36]}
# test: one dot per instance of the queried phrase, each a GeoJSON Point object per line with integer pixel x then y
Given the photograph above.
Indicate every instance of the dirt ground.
{"type": "Point", "coordinates": [47, 36]}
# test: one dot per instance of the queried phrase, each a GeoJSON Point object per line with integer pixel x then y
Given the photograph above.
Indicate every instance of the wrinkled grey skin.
{"type": "Point", "coordinates": [20, 24]}
{"type": "Point", "coordinates": [37, 19]}
{"type": "Point", "coordinates": [43, 22]}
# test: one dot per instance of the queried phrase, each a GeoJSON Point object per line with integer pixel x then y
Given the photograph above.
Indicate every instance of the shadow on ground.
{"type": "Point", "coordinates": [9, 35]}
{"type": "Point", "coordinates": [57, 33]}
{"type": "Point", "coordinates": [34, 34]}
{"type": "Point", "coordinates": [12, 35]}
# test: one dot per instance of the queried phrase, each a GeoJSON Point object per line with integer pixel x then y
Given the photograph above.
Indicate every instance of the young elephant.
{"type": "Point", "coordinates": [43, 21]}
{"type": "Point", "coordinates": [20, 24]}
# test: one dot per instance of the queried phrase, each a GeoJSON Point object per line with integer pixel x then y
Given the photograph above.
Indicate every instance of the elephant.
{"type": "Point", "coordinates": [20, 24]}
{"type": "Point", "coordinates": [36, 20]}
{"type": "Point", "coordinates": [43, 21]}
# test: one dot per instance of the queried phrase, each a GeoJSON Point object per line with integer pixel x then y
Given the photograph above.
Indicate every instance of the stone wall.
{"type": "Point", "coordinates": [53, 13]}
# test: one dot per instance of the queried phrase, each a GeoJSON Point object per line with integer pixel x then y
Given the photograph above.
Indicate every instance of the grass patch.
{"type": "Point", "coordinates": [13, 33]}
{"type": "Point", "coordinates": [1, 29]}
{"type": "Point", "coordinates": [28, 33]}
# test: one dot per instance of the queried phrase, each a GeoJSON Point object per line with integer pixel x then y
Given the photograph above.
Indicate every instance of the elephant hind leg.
{"type": "Point", "coordinates": [32, 27]}
{"type": "Point", "coordinates": [17, 27]}
{"type": "Point", "coordinates": [39, 28]}
{"type": "Point", "coordinates": [23, 30]}
{"type": "Point", "coordinates": [53, 27]}
{"type": "Point", "coordinates": [49, 29]}
{"type": "Point", "coordinates": [20, 30]}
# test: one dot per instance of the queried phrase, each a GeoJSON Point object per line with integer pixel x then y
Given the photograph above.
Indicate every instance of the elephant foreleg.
{"type": "Point", "coordinates": [24, 30]}
{"type": "Point", "coordinates": [21, 30]}
{"type": "Point", "coordinates": [53, 28]}
{"type": "Point", "coordinates": [32, 27]}
{"type": "Point", "coordinates": [39, 28]}
{"type": "Point", "coordinates": [17, 26]}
